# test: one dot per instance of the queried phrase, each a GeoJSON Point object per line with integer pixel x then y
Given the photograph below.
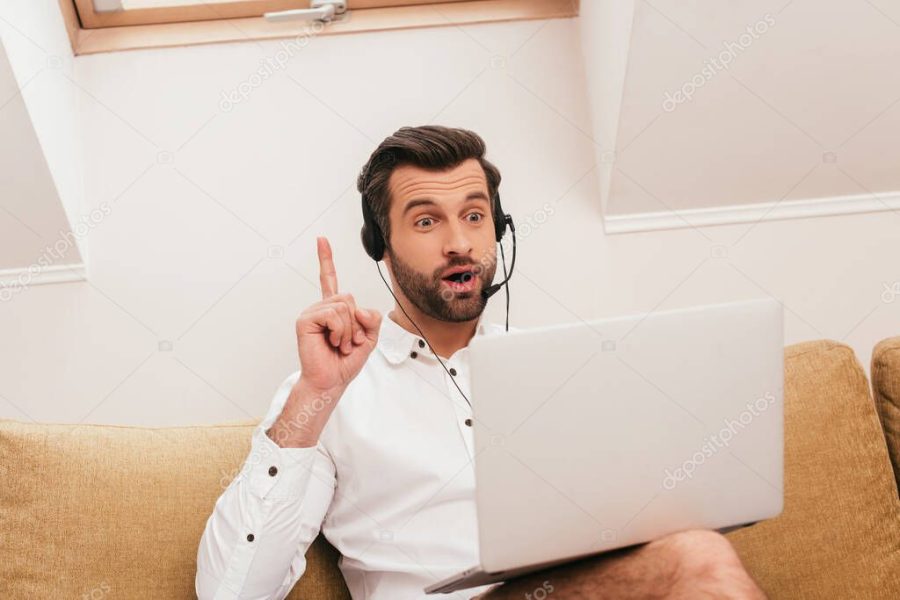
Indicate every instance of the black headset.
{"type": "Point", "coordinates": [374, 243]}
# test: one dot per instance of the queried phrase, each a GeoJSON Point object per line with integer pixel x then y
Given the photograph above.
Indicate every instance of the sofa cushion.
{"type": "Point", "coordinates": [106, 511]}
{"type": "Point", "coordinates": [839, 534]}
{"type": "Point", "coordinates": [886, 387]}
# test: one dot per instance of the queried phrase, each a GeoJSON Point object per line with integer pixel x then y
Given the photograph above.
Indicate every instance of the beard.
{"type": "Point", "coordinates": [436, 300]}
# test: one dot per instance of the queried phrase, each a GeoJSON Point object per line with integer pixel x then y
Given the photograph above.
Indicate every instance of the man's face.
{"type": "Point", "coordinates": [441, 220]}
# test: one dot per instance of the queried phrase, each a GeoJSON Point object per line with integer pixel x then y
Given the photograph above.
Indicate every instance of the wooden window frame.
{"type": "Point", "coordinates": [410, 14]}
{"type": "Point", "coordinates": [210, 11]}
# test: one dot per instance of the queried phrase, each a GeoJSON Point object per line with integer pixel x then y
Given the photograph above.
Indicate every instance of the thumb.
{"type": "Point", "coordinates": [370, 320]}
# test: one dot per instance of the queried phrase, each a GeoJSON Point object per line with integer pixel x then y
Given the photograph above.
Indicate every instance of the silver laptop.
{"type": "Point", "coordinates": [603, 434]}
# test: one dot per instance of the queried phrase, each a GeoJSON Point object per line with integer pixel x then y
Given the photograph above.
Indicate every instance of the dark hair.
{"type": "Point", "coordinates": [428, 147]}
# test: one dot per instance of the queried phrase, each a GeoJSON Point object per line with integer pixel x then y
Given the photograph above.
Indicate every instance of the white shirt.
{"type": "Point", "coordinates": [391, 485]}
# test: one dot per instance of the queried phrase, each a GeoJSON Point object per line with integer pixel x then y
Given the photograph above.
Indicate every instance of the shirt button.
{"type": "Point", "coordinates": [421, 344]}
{"type": "Point", "coordinates": [273, 470]}
{"type": "Point", "coordinates": [452, 371]}
{"type": "Point", "coordinates": [250, 537]}
{"type": "Point", "coordinates": [413, 354]}
{"type": "Point", "coordinates": [468, 422]}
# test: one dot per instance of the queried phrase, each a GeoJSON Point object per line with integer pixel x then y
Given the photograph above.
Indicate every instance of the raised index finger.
{"type": "Point", "coordinates": [327, 274]}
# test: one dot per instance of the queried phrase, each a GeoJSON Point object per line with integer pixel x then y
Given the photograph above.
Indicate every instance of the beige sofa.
{"type": "Point", "coordinates": [100, 511]}
{"type": "Point", "coordinates": [886, 388]}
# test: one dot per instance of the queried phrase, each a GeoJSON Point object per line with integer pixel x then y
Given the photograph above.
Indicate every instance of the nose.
{"type": "Point", "coordinates": [457, 241]}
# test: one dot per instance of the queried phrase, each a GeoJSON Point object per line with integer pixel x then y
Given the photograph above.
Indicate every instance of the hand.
{"type": "Point", "coordinates": [334, 336]}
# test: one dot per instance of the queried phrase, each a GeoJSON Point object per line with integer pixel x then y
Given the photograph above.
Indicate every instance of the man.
{"type": "Point", "coordinates": [374, 448]}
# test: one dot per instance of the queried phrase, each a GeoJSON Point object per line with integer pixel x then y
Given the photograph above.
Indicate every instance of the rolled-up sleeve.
{"type": "Point", "coordinates": [254, 543]}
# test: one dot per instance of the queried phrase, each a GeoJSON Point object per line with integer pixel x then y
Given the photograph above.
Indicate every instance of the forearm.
{"type": "Point", "coordinates": [304, 416]}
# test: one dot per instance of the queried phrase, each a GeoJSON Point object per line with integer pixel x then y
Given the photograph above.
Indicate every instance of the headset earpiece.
{"type": "Point", "coordinates": [370, 234]}
{"type": "Point", "coordinates": [501, 219]}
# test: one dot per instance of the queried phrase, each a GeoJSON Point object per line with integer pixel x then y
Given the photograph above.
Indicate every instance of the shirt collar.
{"type": "Point", "coordinates": [397, 344]}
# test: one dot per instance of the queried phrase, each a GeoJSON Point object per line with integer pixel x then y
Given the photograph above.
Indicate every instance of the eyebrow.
{"type": "Point", "coordinates": [428, 201]}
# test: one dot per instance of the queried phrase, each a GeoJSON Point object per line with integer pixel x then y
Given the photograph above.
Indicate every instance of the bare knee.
{"type": "Point", "coordinates": [700, 549]}
{"type": "Point", "coordinates": [706, 564]}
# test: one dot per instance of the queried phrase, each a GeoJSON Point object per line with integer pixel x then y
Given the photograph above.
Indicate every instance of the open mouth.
{"type": "Point", "coordinates": [464, 281]}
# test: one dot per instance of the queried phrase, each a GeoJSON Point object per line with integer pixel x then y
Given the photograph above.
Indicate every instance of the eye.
{"type": "Point", "coordinates": [479, 215]}
{"type": "Point", "coordinates": [429, 219]}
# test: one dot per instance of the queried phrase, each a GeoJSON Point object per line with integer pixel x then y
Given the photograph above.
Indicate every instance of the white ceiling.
{"type": "Point", "coordinates": [808, 108]}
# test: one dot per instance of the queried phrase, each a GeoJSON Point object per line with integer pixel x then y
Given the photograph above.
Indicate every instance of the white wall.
{"type": "Point", "coordinates": [208, 252]}
{"type": "Point", "coordinates": [39, 55]}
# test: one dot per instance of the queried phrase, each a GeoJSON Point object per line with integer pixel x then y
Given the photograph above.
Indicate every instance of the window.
{"type": "Point", "coordinates": [113, 13]}
{"type": "Point", "coordinates": [109, 25]}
